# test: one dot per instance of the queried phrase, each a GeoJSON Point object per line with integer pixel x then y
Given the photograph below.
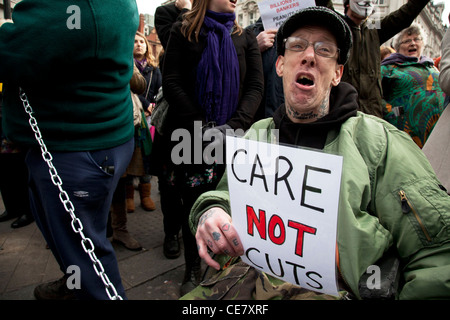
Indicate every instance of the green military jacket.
{"type": "Point", "coordinates": [389, 198]}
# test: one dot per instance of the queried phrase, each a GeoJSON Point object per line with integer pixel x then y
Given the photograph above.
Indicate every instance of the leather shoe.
{"type": "Point", "coordinates": [55, 290]}
{"type": "Point", "coordinates": [5, 216]}
{"type": "Point", "coordinates": [22, 221]}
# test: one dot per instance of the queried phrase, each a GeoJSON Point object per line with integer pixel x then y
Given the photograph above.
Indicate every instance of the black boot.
{"type": "Point", "coordinates": [192, 277]}
{"type": "Point", "coordinates": [171, 247]}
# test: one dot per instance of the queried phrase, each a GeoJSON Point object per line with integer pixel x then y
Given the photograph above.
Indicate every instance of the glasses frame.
{"type": "Point", "coordinates": [409, 41]}
{"type": "Point", "coordinates": [314, 45]}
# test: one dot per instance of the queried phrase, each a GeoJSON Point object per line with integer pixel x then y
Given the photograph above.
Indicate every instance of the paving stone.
{"type": "Point", "coordinates": [147, 274]}
{"type": "Point", "coordinates": [146, 266]}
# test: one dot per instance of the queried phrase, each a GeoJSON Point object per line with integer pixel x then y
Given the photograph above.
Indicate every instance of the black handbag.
{"type": "Point", "coordinates": [159, 113]}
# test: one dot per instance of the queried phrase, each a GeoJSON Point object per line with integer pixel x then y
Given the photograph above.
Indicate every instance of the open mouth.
{"type": "Point", "coordinates": [412, 50]}
{"type": "Point", "coordinates": [305, 81]}
{"type": "Point", "coordinates": [233, 1]}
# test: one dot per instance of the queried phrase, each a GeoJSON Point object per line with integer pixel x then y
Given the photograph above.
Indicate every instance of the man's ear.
{"type": "Point", "coordinates": [280, 65]}
{"type": "Point", "coordinates": [337, 75]}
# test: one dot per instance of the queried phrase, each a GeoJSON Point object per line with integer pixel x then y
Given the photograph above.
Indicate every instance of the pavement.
{"type": "Point", "coordinates": [146, 275]}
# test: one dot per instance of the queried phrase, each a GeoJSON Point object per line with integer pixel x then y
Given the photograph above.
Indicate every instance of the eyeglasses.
{"type": "Point", "coordinates": [323, 49]}
{"type": "Point", "coordinates": [408, 41]}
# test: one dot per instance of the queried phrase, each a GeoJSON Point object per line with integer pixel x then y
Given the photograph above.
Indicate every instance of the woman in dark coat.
{"type": "Point", "coordinates": [213, 82]}
{"type": "Point", "coordinates": [140, 163]}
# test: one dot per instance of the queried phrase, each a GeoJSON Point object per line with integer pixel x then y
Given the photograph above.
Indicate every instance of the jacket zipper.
{"type": "Point", "coordinates": [407, 207]}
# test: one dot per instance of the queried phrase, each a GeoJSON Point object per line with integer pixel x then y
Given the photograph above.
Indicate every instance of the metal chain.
{"type": "Point", "coordinates": [77, 226]}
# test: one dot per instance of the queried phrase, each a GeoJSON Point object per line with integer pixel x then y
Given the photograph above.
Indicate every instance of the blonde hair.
{"type": "Point", "coordinates": [385, 52]}
{"type": "Point", "coordinates": [151, 60]}
{"type": "Point", "coordinates": [193, 20]}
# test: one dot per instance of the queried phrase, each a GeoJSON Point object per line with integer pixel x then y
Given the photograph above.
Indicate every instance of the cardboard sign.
{"type": "Point", "coordinates": [275, 12]}
{"type": "Point", "coordinates": [284, 204]}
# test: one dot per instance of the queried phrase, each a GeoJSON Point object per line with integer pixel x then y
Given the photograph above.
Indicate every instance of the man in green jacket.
{"type": "Point", "coordinates": [363, 68]}
{"type": "Point", "coordinates": [74, 61]}
{"type": "Point", "coordinates": [390, 198]}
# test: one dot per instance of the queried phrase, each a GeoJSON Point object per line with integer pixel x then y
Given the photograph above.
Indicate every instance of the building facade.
{"type": "Point", "coordinates": [147, 27]}
{"type": "Point", "coordinates": [2, 6]}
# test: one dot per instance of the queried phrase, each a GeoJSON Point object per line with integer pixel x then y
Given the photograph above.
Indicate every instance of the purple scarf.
{"type": "Point", "coordinates": [141, 64]}
{"type": "Point", "coordinates": [398, 58]}
{"type": "Point", "coordinates": [218, 69]}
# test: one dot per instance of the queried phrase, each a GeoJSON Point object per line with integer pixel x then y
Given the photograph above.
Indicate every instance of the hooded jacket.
{"type": "Point", "coordinates": [389, 196]}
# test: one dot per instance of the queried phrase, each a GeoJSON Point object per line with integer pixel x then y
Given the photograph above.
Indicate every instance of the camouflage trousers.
{"type": "Point", "coordinates": [240, 281]}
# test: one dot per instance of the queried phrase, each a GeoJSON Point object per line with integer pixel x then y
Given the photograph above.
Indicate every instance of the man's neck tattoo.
{"type": "Point", "coordinates": [317, 114]}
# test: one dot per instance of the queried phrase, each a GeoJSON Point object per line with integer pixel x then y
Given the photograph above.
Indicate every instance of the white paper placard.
{"type": "Point", "coordinates": [284, 205]}
{"type": "Point", "coordinates": [275, 12]}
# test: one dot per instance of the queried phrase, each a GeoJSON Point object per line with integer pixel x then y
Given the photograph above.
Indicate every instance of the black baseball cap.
{"type": "Point", "coordinates": [320, 16]}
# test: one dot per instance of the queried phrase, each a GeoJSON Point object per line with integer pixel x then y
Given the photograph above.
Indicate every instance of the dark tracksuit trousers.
{"type": "Point", "coordinates": [90, 179]}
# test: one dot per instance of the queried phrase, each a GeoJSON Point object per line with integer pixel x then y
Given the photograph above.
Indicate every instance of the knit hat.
{"type": "Point", "coordinates": [320, 16]}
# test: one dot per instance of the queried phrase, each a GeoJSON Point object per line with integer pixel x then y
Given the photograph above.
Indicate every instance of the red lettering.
{"type": "Point", "coordinates": [277, 221]}
{"type": "Point", "coordinates": [301, 229]}
{"type": "Point", "coordinates": [259, 223]}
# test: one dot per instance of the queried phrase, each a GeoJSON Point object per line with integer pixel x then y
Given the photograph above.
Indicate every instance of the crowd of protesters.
{"type": "Point", "coordinates": [385, 104]}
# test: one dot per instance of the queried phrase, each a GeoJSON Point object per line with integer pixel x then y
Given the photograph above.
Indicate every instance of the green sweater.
{"type": "Point", "coordinates": [74, 61]}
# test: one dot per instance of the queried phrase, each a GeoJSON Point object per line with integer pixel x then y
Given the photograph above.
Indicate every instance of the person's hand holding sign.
{"type": "Point", "coordinates": [216, 232]}
{"type": "Point", "coordinates": [266, 39]}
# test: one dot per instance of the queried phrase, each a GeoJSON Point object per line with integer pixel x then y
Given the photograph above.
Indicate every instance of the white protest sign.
{"type": "Point", "coordinates": [275, 12]}
{"type": "Point", "coordinates": [284, 204]}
